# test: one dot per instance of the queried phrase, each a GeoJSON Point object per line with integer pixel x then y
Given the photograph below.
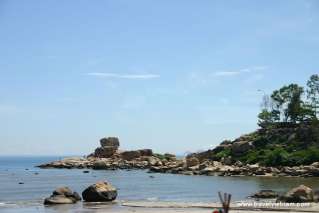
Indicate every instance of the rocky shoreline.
{"type": "Point", "coordinates": [109, 157]}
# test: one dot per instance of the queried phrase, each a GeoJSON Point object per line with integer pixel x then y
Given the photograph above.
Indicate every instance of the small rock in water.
{"type": "Point", "coordinates": [21, 183]}
{"type": "Point", "coordinates": [27, 169]}
{"type": "Point", "coordinates": [151, 176]}
{"type": "Point", "coordinates": [36, 173]}
{"type": "Point", "coordinates": [86, 171]}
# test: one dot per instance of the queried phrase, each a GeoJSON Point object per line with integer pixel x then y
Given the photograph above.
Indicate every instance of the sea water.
{"type": "Point", "coordinates": [22, 185]}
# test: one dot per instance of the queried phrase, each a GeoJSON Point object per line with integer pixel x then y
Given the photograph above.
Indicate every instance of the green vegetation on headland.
{"type": "Point", "coordinates": [288, 134]}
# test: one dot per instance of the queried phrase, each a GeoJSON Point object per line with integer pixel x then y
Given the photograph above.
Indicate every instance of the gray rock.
{"type": "Point", "coordinates": [99, 192]}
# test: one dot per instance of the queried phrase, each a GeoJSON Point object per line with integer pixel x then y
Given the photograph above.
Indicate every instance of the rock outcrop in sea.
{"type": "Point", "coordinates": [109, 157]}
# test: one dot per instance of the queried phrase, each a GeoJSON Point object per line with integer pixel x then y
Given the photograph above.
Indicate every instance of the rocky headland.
{"type": "Point", "coordinates": [230, 158]}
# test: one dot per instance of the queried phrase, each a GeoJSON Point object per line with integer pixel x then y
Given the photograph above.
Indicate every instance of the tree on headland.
{"type": "Point", "coordinates": [313, 92]}
{"type": "Point", "coordinates": [289, 105]}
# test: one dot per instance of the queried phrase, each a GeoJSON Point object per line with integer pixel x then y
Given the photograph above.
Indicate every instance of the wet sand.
{"type": "Point", "coordinates": [152, 207]}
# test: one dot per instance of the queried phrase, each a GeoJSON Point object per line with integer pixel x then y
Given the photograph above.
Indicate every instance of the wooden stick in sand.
{"type": "Point", "coordinates": [225, 201]}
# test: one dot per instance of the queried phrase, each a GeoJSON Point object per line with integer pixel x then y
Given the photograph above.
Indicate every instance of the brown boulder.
{"type": "Point", "coordinates": [99, 192]}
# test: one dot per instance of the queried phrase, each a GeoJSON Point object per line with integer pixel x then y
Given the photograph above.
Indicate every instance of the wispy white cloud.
{"type": "Point", "coordinates": [240, 71]}
{"type": "Point", "coordinates": [123, 76]}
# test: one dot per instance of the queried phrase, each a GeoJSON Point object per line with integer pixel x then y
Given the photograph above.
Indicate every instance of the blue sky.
{"type": "Point", "coordinates": [174, 76]}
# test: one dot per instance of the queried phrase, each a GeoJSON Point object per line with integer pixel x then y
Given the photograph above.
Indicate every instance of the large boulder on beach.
{"type": "Point", "coordinates": [99, 192]}
{"type": "Point", "coordinates": [300, 194]}
{"type": "Point", "coordinates": [130, 155]}
{"type": "Point", "coordinates": [62, 195]}
{"type": "Point", "coordinates": [110, 142]}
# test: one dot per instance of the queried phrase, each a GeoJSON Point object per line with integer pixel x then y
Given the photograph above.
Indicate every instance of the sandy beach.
{"type": "Point", "coordinates": [182, 207]}
{"type": "Point", "coordinates": [208, 207]}
{"type": "Point", "coordinates": [170, 207]}
{"type": "Point", "coordinates": [153, 207]}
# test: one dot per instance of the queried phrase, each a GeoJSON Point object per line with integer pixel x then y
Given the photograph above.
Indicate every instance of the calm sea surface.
{"type": "Point", "coordinates": [131, 185]}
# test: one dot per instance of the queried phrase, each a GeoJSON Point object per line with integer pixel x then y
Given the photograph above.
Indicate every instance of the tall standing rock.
{"type": "Point", "coordinates": [109, 147]}
{"type": "Point", "coordinates": [110, 141]}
